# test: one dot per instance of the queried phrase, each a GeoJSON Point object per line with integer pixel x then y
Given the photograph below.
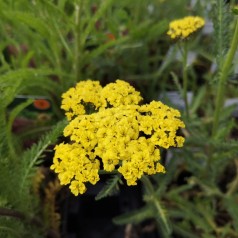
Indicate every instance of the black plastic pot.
{"type": "Point", "coordinates": [83, 217]}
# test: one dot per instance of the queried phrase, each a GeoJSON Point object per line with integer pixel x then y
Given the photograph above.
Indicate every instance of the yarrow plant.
{"type": "Point", "coordinates": [183, 28]}
{"type": "Point", "coordinates": [109, 130]}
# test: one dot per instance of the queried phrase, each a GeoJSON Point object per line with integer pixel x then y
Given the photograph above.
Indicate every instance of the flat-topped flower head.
{"type": "Point", "coordinates": [183, 28]}
{"type": "Point", "coordinates": [120, 93]}
{"type": "Point", "coordinates": [119, 135]}
{"type": "Point", "coordinates": [89, 96]}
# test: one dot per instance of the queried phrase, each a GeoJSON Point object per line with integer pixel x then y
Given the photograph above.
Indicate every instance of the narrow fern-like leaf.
{"type": "Point", "coordinates": [102, 48]}
{"type": "Point", "coordinates": [103, 7]}
{"type": "Point", "coordinates": [30, 20]}
{"type": "Point", "coordinates": [134, 217]}
{"type": "Point", "coordinates": [4, 231]}
{"type": "Point", "coordinates": [3, 126]}
{"type": "Point", "coordinates": [31, 157]}
{"type": "Point", "coordinates": [164, 181]}
{"type": "Point", "coordinates": [231, 205]}
{"type": "Point", "coordinates": [184, 233]}
{"type": "Point", "coordinates": [111, 187]}
{"type": "Point", "coordinates": [221, 20]}
{"type": "Point", "coordinates": [8, 92]}
{"type": "Point", "coordinates": [162, 219]}
{"type": "Point", "coordinates": [15, 82]}
{"type": "Point", "coordinates": [11, 118]}
{"type": "Point", "coordinates": [198, 99]}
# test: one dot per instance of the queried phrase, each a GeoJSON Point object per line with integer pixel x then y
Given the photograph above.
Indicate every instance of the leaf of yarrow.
{"type": "Point", "coordinates": [31, 157]}
{"type": "Point", "coordinates": [111, 188]}
{"type": "Point", "coordinates": [231, 205]}
{"type": "Point", "coordinates": [30, 20]}
{"type": "Point", "coordinates": [12, 116]}
{"type": "Point", "coordinates": [135, 217]}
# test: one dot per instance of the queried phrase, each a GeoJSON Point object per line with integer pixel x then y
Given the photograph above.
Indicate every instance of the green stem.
{"type": "Point", "coordinates": [223, 78]}
{"type": "Point", "coordinates": [148, 185]}
{"type": "Point", "coordinates": [185, 79]}
{"type": "Point", "coordinates": [160, 217]}
{"type": "Point", "coordinates": [77, 43]}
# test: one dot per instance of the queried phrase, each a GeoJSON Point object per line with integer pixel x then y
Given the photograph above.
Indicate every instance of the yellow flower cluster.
{"type": "Point", "coordinates": [119, 135]}
{"type": "Point", "coordinates": [89, 96]}
{"type": "Point", "coordinates": [182, 28]}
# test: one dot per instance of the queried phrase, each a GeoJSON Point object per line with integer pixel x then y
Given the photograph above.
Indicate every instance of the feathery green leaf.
{"type": "Point", "coordinates": [110, 188]}
{"type": "Point", "coordinates": [135, 217]}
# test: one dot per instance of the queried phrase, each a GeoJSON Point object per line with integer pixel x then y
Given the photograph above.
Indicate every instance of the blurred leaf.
{"type": "Point", "coordinates": [8, 92]}
{"type": "Point", "coordinates": [135, 217]}
{"type": "Point", "coordinates": [14, 82]}
{"type": "Point", "coordinates": [177, 83]}
{"type": "Point", "coordinates": [26, 59]}
{"type": "Point", "coordinates": [164, 181]}
{"type": "Point", "coordinates": [226, 126]}
{"type": "Point", "coordinates": [178, 229]}
{"type": "Point", "coordinates": [147, 31]}
{"type": "Point", "coordinates": [198, 99]}
{"type": "Point", "coordinates": [231, 204]}
{"type": "Point", "coordinates": [157, 30]}
{"type": "Point", "coordinates": [30, 20]}
{"type": "Point", "coordinates": [190, 211]}
{"type": "Point", "coordinates": [99, 13]}
{"type": "Point", "coordinates": [235, 10]}
{"type": "Point", "coordinates": [13, 114]}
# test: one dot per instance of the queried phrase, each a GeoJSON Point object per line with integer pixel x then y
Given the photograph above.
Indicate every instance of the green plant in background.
{"type": "Point", "coordinates": [20, 212]}
{"type": "Point", "coordinates": [199, 190]}
{"type": "Point", "coordinates": [47, 48]}
{"type": "Point", "coordinates": [79, 39]}
{"type": "Point", "coordinates": [181, 30]}
{"type": "Point", "coordinates": [223, 77]}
